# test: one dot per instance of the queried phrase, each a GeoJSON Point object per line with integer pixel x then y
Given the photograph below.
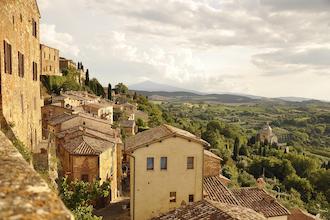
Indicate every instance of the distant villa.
{"type": "Point", "coordinates": [266, 135]}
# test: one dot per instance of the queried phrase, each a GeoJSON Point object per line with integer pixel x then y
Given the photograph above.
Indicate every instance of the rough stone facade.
{"type": "Point", "coordinates": [67, 64]}
{"type": "Point", "coordinates": [48, 112]}
{"type": "Point", "coordinates": [23, 193]}
{"type": "Point", "coordinates": [20, 69]}
{"type": "Point", "coordinates": [212, 164]}
{"type": "Point", "coordinates": [49, 61]}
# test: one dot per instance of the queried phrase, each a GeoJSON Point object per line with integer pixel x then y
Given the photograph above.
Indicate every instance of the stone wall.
{"type": "Point", "coordinates": [20, 94]}
{"type": "Point", "coordinates": [50, 64]}
{"type": "Point", "coordinates": [23, 193]}
{"type": "Point", "coordinates": [212, 165]}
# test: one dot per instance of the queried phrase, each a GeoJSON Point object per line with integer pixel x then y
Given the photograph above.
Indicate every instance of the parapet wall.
{"type": "Point", "coordinates": [23, 193]}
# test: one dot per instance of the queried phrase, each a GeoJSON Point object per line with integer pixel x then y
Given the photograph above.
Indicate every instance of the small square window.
{"type": "Point", "coordinates": [190, 163]}
{"type": "Point", "coordinates": [172, 196]}
{"type": "Point", "coordinates": [150, 163]}
{"type": "Point", "coordinates": [191, 198]}
{"type": "Point", "coordinates": [163, 163]}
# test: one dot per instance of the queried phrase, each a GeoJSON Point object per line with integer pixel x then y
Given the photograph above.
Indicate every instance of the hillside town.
{"type": "Point", "coordinates": [89, 140]}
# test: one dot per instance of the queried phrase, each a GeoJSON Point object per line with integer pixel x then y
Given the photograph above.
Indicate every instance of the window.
{"type": "Point", "coordinates": [20, 64]}
{"type": "Point", "coordinates": [150, 163]}
{"type": "Point", "coordinates": [190, 163]}
{"type": "Point", "coordinates": [34, 28]}
{"type": "Point", "coordinates": [21, 17]}
{"type": "Point", "coordinates": [84, 177]}
{"type": "Point", "coordinates": [163, 163]}
{"type": "Point", "coordinates": [172, 196]}
{"type": "Point", "coordinates": [191, 198]}
{"type": "Point", "coordinates": [35, 71]}
{"type": "Point", "coordinates": [7, 57]}
{"type": "Point", "coordinates": [13, 19]}
{"type": "Point", "coordinates": [50, 68]}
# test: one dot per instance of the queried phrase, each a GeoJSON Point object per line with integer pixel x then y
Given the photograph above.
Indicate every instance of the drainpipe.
{"type": "Point", "coordinates": [133, 199]}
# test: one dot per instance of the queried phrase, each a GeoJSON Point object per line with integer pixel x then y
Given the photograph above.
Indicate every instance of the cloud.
{"type": "Point", "coordinates": [295, 60]}
{"type": "Point", "coordinates": [298, 5]}
{"type": "Point", "coordinates": [211, 45]}
{"type": "Point", "coordinates": [62, 41]}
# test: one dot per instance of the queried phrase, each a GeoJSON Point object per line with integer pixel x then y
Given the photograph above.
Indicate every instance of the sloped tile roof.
{"type": "Point", "coordinates": [159, 133]}
{"type": "Point", "coordinates": [86, 145]}
{"type": "Point", "coordinates": [207, 210]}
{"type": "Point", "coordinates": [61, 118]}
{"type": "Point", "coordinates": [260, 201]}
{"type": "Point", "coordinates": [210, 154]}
{"type": "Point", "coordinates": [216, 191]}
{"type": "Point", "coordinates": [110, 135]}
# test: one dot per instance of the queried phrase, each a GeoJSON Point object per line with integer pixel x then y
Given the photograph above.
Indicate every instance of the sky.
{"type": "Point", "coordinates": [271, 48]}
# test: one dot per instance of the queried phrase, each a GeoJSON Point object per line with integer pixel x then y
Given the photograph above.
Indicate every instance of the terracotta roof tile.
{"type": "Point", "coordinates": [260, 201]}
{"type": "Point", "coordinates": [85, 145]}
{"type": "Point", "coordinates": [210, 154]}
{"type": "Point", "coordinates": [158, 133]}
{"type": "Point", "coordinates": [207, 210]}
{"type": "Point", "coordinates": [61, 118]}
{"type": "Point", "coordinates": [216, 191]}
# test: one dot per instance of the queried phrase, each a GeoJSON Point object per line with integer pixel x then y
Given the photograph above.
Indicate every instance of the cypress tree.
{"type": "Point", "coordinates": [87, 78]}
{"type": "Point", "coordinates": [109, 92]}
{"type": "Point", "coordinates": [236, 149]}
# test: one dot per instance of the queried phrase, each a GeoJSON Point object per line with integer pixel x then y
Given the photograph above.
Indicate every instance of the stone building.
{"type": "Point", "coordinates": [212, 164]}
{"type": "Point", "coordinates": [66, 121]}
{"type": "Point", "coordinates": [266, 135]}
{"type": "Point", "coordinates": [71, 99]}
{"type": "Point", "coordinates": [128, 126]}
{"type": "Point", "coordinates": [51, 111]}
{"type": "Point", "coordinates": [100, 110]}
{"type": "Point", "coordinates": [166, 170]}
{"type": "Point", "coordinates": [20, 70]}
{"type": "Point", "coordinates": [89, 158]}
{"type": "Point", "coordinates": [67, 64]}
{"type": "Point", "coordinates": [49, 61]}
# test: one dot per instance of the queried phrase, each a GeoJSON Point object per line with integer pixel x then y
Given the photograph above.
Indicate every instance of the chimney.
{"type": "Point", "coordinates": [261, 183]}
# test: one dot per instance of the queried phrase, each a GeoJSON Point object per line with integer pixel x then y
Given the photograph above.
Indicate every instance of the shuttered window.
{"type": "Point", "coordinates": [7, 57]}
{"type": "Point", "coordinates": [35, 71]}
{"type": "Point", "coordinates": [20, 64]}
{"type": "Point", "coordinates": [34, 28]}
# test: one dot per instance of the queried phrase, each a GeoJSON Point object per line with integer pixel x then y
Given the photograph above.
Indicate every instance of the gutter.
{"type": "Point", "coordinates": [133, 190]}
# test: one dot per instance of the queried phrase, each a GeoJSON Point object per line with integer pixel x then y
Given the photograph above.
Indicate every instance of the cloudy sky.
{"type": "Point", "coordinates": [262, 47]}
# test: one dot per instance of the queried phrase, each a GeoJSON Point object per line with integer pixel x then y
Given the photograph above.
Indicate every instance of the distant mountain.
{"type": "Point", "coordinates": [159, 91]}
{"type": "Point", "coordinates": [193, 97]}
{"type": "Point", "coordinates": [295, 99]}
{"type": "Point", "coordinates": [151, 86]}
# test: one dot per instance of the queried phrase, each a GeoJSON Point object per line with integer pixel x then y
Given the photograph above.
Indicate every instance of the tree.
{"type": "Point", "coordinates": [135, 96]}
{"type": "Point", "coordinates": [245, 179]}
{"type": "Point", "coordinates": [109, 92]}
{"type": "Point", "coordinates": [244, 150]}
{"type": "Point", "coordinates": [236, 149]}
{"type": "Point", "coordinates": [302, 185]}
{"type": "Point", "coordinates": [87, 78]}
{"type": "Point", "coordinates": [121, 88]}
{"type": "Point", "coordinates": [264, 152]}
{"type": "Point", "coordinates": [96, 87]}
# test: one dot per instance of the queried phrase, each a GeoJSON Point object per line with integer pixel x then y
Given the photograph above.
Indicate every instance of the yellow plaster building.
{"type": "Point", "coordinates": [166, 170]}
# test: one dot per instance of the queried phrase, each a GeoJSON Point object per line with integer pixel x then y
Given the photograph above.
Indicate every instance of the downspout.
{"type": "Point", "coordinates": [133, 199]}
